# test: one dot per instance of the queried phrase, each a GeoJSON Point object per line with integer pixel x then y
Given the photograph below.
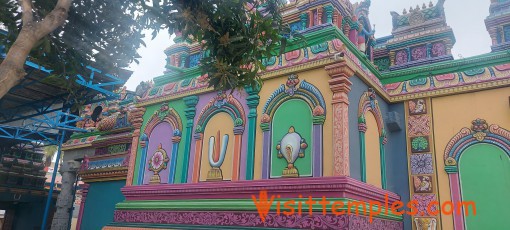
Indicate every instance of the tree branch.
{"type": "Point", "coordinates": [26, 9]}
{"type": "Point", "coordinates": [54, 19]}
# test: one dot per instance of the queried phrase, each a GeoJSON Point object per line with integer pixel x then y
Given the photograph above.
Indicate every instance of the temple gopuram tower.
{"type": "Point", "coordinates": [420, 36]}
{"type": "Point", "coordinates": [498, 24]}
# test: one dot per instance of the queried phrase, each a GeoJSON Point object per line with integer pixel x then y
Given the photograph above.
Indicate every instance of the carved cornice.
{"type": "Point", "coordinates": [107, 174]}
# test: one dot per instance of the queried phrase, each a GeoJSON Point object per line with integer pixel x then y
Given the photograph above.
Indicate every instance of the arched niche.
{"type": "Point", "coordinates": [369, 108]}
{"type": "Point", "coordinates": [477, 162]}
{"type": "Point", "coordinates": [161, 136]}
{"type": "Point", "coordinates": [312, 110]}
{"type": "Point", "coordinates": [227, 104]}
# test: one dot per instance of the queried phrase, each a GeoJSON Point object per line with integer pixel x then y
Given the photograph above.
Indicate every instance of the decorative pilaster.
{"type": "Point", "coordinates": [362, 128]}
{"type": "Point", "coordinates": [252, 101]}
{"type": "Point", "coordinates": [64, 204]}
{"type": "Point", "coordinates": [196, 161]}
{"type": "Point", "coordinates": [318, 148]}
{"type": "Point", "coordinates": [409, 57]}
{"type": "Point", "coordinates": [328, 10]}
{"type": "Point", "coordinates": [304, 20]}
{"type": "Point", "coordinates": [429, 50]}
{"type": "Point", "coordinates": [392, 58]}
{"type": "Point", "coordinates": [176, 139]}
{"type": "Point", "coordinates": [144, 144]}
{"type": "Point", "coordinates": [190, 111]}
{"type": "Point", "coordinates": [449, 46]}
{"type": "Point", "coordinates": [421, 155]}
{"type": "Point", "coordinates": [135, 117]}
{"type": "Point", "coordinates": [340, 86]}
{"type": "Point", "coordinates": [319, 16]}
{"type": "Point", "coordinates": [266, 148]}
{"type": "Point", "coordinates": [84, 192]}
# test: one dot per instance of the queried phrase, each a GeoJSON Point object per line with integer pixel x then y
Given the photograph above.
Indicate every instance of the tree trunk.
{"type": "Point", "coordinates": [12, 67]}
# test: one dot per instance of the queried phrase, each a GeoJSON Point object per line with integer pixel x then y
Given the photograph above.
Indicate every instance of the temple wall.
{"type": "Point", "coordinates": [178, 106]}
{"type": "Point", "coordinates": [395, 149]}
{"type": "Point", "coordinates": [451, 114]}
{"type": "Point", "coordinates": [317, 77]}
{"type": "Point", "coordinates": [100, 203]}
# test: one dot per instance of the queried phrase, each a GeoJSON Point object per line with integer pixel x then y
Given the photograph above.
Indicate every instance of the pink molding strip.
{"type": "Point", "coordinates": [330, 187]}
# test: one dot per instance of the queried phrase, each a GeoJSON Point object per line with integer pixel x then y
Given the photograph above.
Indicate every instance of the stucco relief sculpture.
{"type": "Point", "coordinates": [217, 152]}
{"type": "Point", "coordinates": [157, 163]}
{"type": "Point", "coordinates": [291, 147]}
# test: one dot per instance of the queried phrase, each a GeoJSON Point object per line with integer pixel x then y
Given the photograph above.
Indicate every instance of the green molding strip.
{"type": "Point", "coordinates": [177, 75]}
{"type": "Point", "coordinates": [246, 205]}
{"type": "Point", "coordinates": [453, 66]}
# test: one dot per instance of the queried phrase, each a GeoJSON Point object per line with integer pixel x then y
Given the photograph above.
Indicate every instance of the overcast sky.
{"type": "Point", "coordinates": [466, 17]}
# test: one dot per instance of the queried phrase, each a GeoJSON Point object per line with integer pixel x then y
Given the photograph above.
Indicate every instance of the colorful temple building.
{"type": "Point", "coordinates": [352, 118]}
{"type": "Point", "coordinates": [22, 180]}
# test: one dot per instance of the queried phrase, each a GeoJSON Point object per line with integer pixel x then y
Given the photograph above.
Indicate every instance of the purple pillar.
{"type": "Point", "coordinates": [317, 150]}
{"type": "Point", "coordinates": [266, 154]}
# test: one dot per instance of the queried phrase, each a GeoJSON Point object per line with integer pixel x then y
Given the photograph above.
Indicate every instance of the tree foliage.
{"type": "Point", "coordinates": [106, 34]}
{"type": "Point", "coordinates": [237, 33]}
{"type": "Point", "coordinates": [99, 33]}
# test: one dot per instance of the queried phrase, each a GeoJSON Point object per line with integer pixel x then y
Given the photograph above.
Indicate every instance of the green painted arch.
{"type": "Point", "coordinates": [484, 172]}
{"type": "Point", "coordinates": [284, 117]}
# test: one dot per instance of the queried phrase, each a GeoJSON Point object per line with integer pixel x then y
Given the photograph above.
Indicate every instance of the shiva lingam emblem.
{"type": "Point", "coordinates": [157, 163]}
{"type": "Point", "coordinates": [291, 147]}
{"type": "Point", "coordinates": [217, 154]}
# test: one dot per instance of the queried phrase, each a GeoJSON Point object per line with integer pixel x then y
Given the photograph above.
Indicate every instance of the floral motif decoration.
{"type": "Point", "coordinates": [419, 125]}
{"type": "Point", "coordinates": [423, 202]}
{"type": "Point", "coordinates": [419, 53]}
{"type": "Point", "coordinates": [420, 144]}
{"type": "Point", "coordinates": [421, 164]}
{"type": "Point", "coordinates": [438, 49]}
{"type": "Point", "coordinates": [329, 221]}
{"type": "Point", "coordinates": [401, 57]}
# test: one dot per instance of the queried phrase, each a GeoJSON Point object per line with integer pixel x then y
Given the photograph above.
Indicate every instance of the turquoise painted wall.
{"type": "Point", "coordinates": [100, 204]}
{"type": "Point", "coordinates": [179, 107]}
{"type": "Point", "coordinates": [485, 179]}
{"type": "Point", "coordinates": [295, 113]}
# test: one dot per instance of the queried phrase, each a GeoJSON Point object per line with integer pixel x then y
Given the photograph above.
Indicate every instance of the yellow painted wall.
{"type": "Point", "coordinates": [222, 122]}
{"type": "Point", "coordinates": [372, 151]}
{"type": "Point", "coordinates": [317, 77]}
{"type": "Point", "coordinates": [452, 113]}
